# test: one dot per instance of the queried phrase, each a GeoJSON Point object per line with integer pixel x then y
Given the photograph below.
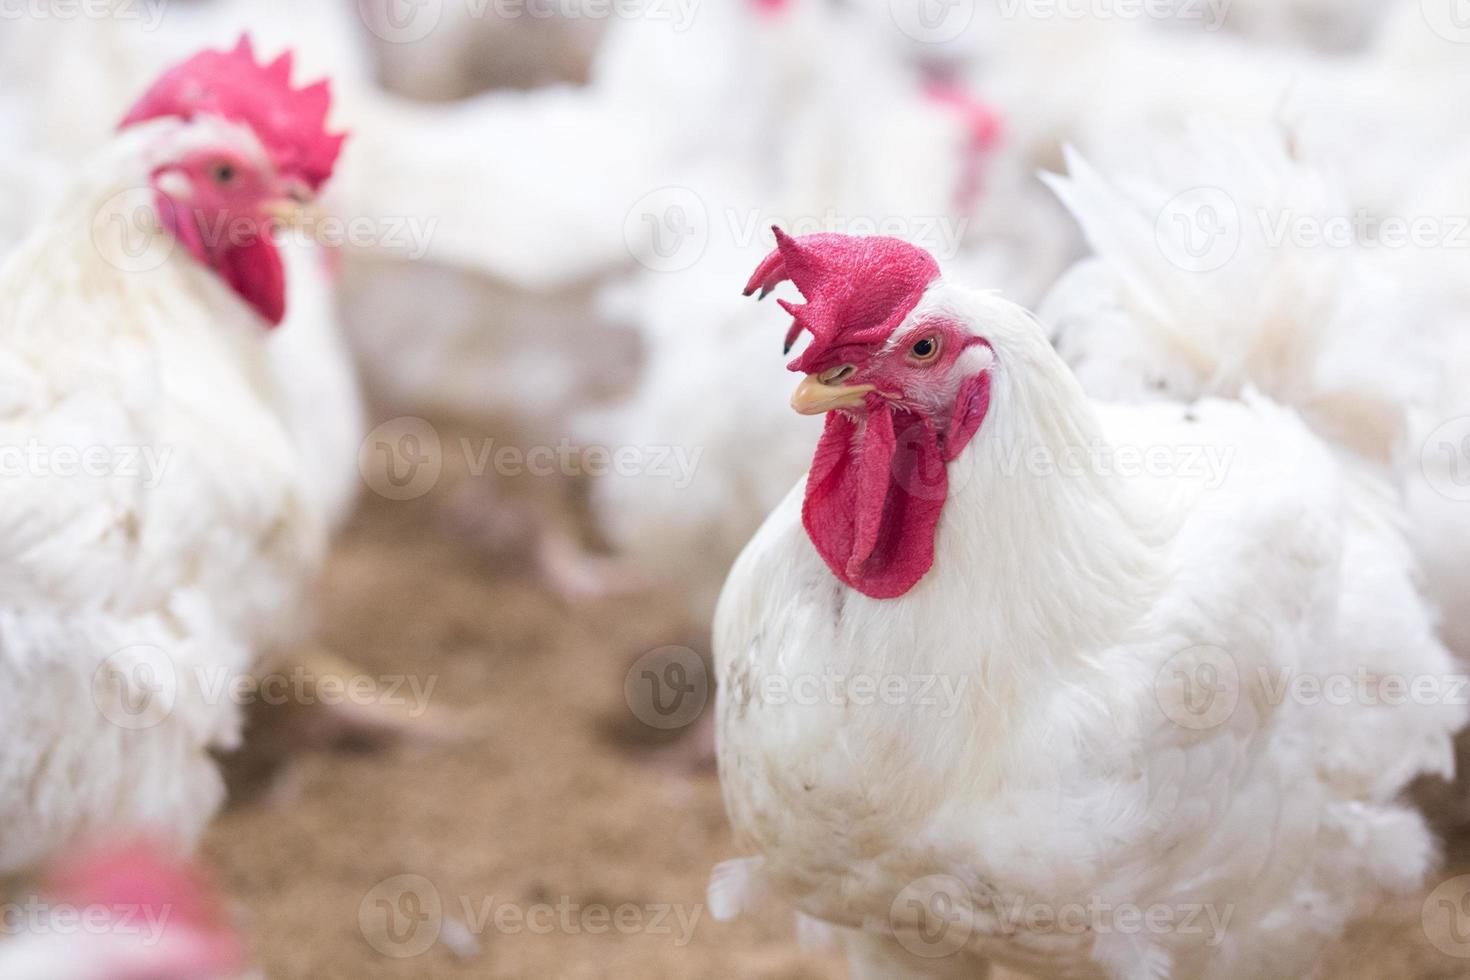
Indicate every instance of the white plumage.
{"type": "Point", "coordinates": [1306, 297]}
{"type": "Point", "coordinates": [137, 594]}
{"type": "Point", "coordinates": [1075, 615]}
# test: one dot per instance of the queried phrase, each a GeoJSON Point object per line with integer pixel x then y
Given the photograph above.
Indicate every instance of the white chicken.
{"type": "Point", "coordinates": [160, 525]}
{"type": "Point", "coordinates": [805, 150]}
{"type": "Point", "coordinates": [1014, 676]}
{"type": "Point", "coordinates": [115, 56]}
{"type": "Point", "coordinates": [1293, 291]}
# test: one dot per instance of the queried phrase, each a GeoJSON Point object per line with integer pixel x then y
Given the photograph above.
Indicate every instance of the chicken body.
{"type": "Point", "coordinates": [1306, 297]}
{"type": "Point", "coordinates": [1087, 706]}
{"type": "Point", "coordinates": [136, 595]}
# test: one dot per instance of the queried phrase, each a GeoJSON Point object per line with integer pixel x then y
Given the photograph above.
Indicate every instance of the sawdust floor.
{"type": "Point", "coordinates": [557, 804]}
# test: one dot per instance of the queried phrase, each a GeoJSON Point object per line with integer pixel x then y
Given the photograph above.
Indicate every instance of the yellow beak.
{"type": "Point", "coordinates": [813, 397]}
{"type": "Point", "coordinates": [292, 213]}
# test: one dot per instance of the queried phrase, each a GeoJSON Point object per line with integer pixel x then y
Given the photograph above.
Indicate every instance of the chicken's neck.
{"type": "Point", "coordinates": [1042, 556]}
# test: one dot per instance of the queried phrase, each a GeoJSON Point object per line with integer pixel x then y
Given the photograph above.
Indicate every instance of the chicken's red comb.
{"type": "Point", "coordinates": [857, 289]}
{"type": "Point", "coordinates": [291, 123]}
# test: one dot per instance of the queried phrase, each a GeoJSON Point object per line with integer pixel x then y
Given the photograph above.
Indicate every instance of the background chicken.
{"type": "Point", "coordinates": [1072, 604]}
{"type": "Point", "coordinates": [135, 324]}
{"type": "Point", "coordinates": [1364, 337]}
{"type": "Point", "coordinates": [552, 207]}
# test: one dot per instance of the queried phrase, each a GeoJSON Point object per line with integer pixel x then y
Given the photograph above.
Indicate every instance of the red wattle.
{"type": "Point", "coordinates": [255, 272]}
{"type": "Point", "coordinates": [873, 500]}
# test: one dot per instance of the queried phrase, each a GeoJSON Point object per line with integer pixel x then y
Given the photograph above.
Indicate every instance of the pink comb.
{"type": "Point", "coordinates": [291, 123]}
{"type": "Point", "coordinates": [857, 289]}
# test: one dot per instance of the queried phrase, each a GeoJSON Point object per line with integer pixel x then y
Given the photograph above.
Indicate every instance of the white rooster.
{"type": "Point", "coordinates": [1125, 778]}
{"type": "Point", "coordinates": [160, 519]}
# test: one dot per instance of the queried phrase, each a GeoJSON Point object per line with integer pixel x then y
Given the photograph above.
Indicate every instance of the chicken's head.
{"type": "Point", "coordinates": [904, 393]}
{"type": "Point", "coordinates": [261, 154]}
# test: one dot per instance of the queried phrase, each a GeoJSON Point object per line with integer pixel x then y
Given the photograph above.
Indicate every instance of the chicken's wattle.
{"type": "Point", "coordinates": [873, 499]}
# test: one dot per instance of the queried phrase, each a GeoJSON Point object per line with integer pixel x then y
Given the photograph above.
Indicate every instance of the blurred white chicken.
{"type": "Point", "coordinates": [115, 57]}
{"type": "Point", "coordinates": [799, 148]}
{"type": "Point", "coordinates": [978, 664]}
{"type": "Point", "coordinates": [1230, 264]}
{"type": "Point", "coordinates": [124, 912]}
{"type": "Point", "coordinates": [162, 520]}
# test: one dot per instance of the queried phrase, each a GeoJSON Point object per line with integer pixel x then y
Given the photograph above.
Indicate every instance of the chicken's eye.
{"type": "Point", "coordinates": [223, 173]}
{"type": "Point", "coordinates": [925, 349]}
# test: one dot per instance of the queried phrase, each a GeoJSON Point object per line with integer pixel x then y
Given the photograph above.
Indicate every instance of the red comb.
{"type": "Point", "coordinates": [857, 289]}
{"type": "Point", "coordinates": [291, 123]}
